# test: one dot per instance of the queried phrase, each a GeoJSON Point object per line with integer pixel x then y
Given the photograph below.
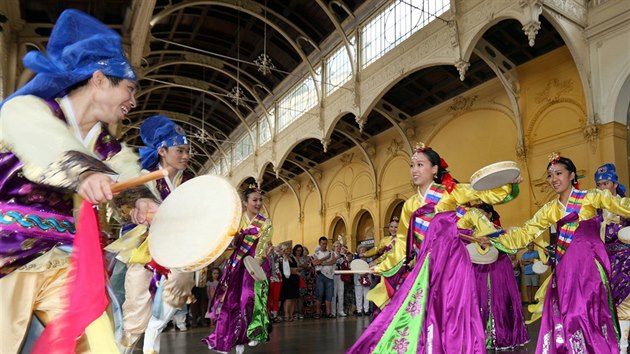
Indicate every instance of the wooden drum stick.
{"type": "Point", "coordinates": [136, 181]}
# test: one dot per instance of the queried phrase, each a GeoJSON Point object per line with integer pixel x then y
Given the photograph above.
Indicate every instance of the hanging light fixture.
{"type": "Point", "coordinates": [201, 134]}
{"type": "Point", "coordinates": [237, 94]}
{"type": "Point", "coordinates": [263, 62]}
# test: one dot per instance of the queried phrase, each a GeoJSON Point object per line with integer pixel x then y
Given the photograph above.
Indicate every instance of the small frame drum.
{"type": "Point", "coordinates": [624, 235]}
{"type": "Point", "coordinates": [357, 266]}
{"type": "Point", "coordinates": [360, 265]}
{"type": "Point", "coordinates": [494, 175]}
{"type": "Point", "coordinates": [195, 224]}
{"type": "Point", "coordinates": [254, 268]}
{"type": "Point", "coordinates": [479, 255]}
{"type": "Point", "coordinates": [539, 267]}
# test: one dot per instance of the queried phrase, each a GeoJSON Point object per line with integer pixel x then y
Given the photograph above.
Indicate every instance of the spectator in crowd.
{"type": "Point", "coordinates": [348, 292]}
{"type": "Point", "coordinates": [310, 274]}
{"type": "Point", "coordinates": [516, 266]}
{"type": "Point", "coordinates": [275, 283]}
{"type": "Point", "coordinates": [290, 282]}
{"type": "Point", "coordinates": [200, 292]}
{"type": "Point", "coordinates": [213, 282]}
{"type": "Point", "coordinates": [324, 265]}
{"type": "Point", "coordinates": [362, 283]}
{"type": "Point", "coordinates": [338, 285]}
{"type": "Point", "coordinates": [302, 264]}
{"type": "Point", "coordinates": [532, 281]}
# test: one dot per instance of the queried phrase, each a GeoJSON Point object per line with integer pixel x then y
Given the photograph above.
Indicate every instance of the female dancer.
{"type": "Point", "coordinates": [436, 307]}
{"type": "Point", "coordinates": [388, 265]}
{"type": "Point", "coordinates": [619, 252]}
{"type": "Point", "coordinates": [576, 316]}
{"type": "Point", "coordinates": [243, 315]}
{"type": "Point", "coordinates": [499, 298]}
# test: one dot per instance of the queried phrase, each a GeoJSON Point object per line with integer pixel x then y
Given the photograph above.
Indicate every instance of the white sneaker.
{"type": "Point", "coordinates": [342, 314]}
{"type": "Point", "coordinates": [182, 327]}
{"type": "Point", "coordinates": [240, 349]}
{"type": "Point", "coordinates": [253, 343]}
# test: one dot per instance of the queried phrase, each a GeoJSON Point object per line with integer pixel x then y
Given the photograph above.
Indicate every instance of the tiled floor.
{"type": "Point", "coordinates": [304, 336]}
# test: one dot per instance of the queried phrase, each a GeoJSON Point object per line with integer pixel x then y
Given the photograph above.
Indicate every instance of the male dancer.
{"type": "Point", "coordinates": [167, 148]}
{"type": "Point", "coordinates": [53, 142]}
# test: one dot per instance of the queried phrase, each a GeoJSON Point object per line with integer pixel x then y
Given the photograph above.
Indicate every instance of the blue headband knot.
{"type": "Point", "coordinates": [608, 172]}
{"type": "Point", "coordinates": [78, 46]}
{"type": "Point", "coordinates": [159, 132]}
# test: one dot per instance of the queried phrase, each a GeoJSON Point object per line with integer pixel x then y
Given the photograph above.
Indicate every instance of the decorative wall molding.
{"type": "Point", "coordinates": [346, 158]}
{"type": "Point", "coordinates": [462, 104]}
{"type": "Point", "coordinates": [395, 146]}
{"type": "Point", "coordinates": [554, 90]}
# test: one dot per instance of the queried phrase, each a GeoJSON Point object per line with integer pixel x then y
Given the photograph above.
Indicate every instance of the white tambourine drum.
{"type": "Point", "coordinates": [624, 235]}
{"type": "Point", "coordinates": [360, 265]}
{"type": "Point", "coordinates": [195, 224]}
{"type": "Point", "coordinates": [539, 267]}
{"type": "Point", "coordinates": [482, 256]}
{"type": "Point", "coordinates": [495, 175]}
{"type": "Point", "coordinates": [254, 268]}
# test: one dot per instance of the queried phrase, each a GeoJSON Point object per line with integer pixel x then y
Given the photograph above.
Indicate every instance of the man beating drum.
{"type": "Point", "coordinates": [167, 148]}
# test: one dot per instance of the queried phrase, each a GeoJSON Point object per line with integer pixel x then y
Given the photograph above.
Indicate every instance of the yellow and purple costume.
{"type": "Point", "coordinates": [393, 260]}
{"type": "Point", "coordinates": [576, 310]}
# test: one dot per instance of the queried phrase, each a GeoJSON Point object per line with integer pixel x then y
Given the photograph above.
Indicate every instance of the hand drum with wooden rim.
{"type": "Point", "coordinates": [494, 175]}
{"type": "Point", "coordinates": [195, 224]}
{"type": "Point", "coordinates": [480, 255]}
{"type": "Point", "coordinates": [539, 267]}
{"type": "Point", "coordinates": [624, 235]}
{"type": "Point", "coordinates": [254, 268]}
{"type": "Point", "coordinates": [360, 265]}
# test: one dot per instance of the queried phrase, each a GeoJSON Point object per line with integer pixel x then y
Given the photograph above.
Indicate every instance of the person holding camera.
{"type": "Point", "coordinates": [324, 262]}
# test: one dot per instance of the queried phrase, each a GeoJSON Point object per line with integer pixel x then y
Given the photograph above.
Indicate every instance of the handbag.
{"type": "Point", "coordinates": [346, 278]}
{"type": "Point", "coordinates": [365, 280]}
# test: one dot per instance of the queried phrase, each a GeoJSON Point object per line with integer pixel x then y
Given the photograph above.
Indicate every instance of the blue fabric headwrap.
{"type": "Point", "coordinates": [608, 172]}
{"type": "Point", "coordinates": [159, 132]}
{"type": "Point", "coordinates": [78, 46]}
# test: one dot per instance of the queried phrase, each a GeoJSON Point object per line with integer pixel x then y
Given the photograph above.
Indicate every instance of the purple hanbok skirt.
{"type": "Point", "coordinates": [577, 316]}
{"type": "Point", "coordinates": [436, 308]}
{"type": "Point", "coordinates": [500, 303]}
{"type": "Point", "coordinates": [619, 254]}
{"type": "Point", "coordinates": [235, 296]}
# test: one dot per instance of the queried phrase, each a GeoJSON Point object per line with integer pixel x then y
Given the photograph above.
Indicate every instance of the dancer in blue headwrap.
{"type": "Point", "coordinates": [167, 148]}
{"type": "Point", "coordinates": [54, 142]}
{"type": "Point", "coordinates": [618, 250]}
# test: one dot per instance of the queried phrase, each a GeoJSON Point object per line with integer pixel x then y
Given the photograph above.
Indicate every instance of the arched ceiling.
{"type": "Point", "coordinates": [196, 51]}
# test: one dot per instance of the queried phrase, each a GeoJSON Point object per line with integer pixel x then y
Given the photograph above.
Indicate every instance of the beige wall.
{"type": "Point", "coordinates": [469, 132]}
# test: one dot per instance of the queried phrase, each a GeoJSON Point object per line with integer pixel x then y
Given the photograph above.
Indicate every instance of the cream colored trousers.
{"type": "Point", "coordinates": [137, 306]}
{"type": "Point", "coordinates": [23, 294]}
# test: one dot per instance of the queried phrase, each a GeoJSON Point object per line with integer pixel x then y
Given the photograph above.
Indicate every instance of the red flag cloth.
{"type": "Point", "coordinates": [390, 289]}
{"type": "Point", "coordinates": [86, 298]}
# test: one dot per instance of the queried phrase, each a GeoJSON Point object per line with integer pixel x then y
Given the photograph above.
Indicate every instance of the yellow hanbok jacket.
{"type": "Point", "coordinates": [473, 219]}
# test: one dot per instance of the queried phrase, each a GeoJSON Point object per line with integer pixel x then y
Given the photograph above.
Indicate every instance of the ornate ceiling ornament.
{"type": "Point", "coordinates": [263, 62]}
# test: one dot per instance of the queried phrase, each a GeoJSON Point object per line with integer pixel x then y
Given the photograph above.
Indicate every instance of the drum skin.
{"type": "Point", "coordinates": [254, 268]}
{"type": "Point", "coordinates": [539, 267]}
{"type": "Point", "coordinates": [477, 256]}
{"type": "Point", "coordinates": [494, 175]}
{"type": "Point", "coordinates": [624, 235]}
{"type": "Point", "coordinates": [359, 264]}
{"type": "Point", "coordinates": [195, 224]}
